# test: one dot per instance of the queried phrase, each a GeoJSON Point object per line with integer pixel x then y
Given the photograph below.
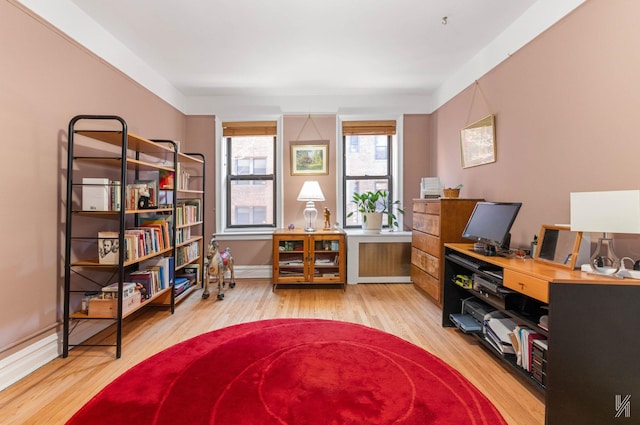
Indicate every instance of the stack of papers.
{"type": "Point", "coordinates": [496, 332]}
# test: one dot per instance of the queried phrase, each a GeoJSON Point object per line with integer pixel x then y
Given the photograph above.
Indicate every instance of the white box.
{"type": "Point", "coordinates": [95, 194]}
{"type": "Point", "coordinates": [111, 291]}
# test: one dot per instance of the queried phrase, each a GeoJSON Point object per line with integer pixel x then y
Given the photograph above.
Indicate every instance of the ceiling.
{"type": "Point", "coordinates": [305, 47]}
{"type": "Point", "coordinates": [233, 48]}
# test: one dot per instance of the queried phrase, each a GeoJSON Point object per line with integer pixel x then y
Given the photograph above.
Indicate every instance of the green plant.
{"type": "Point", "coordinates": [378, 201]}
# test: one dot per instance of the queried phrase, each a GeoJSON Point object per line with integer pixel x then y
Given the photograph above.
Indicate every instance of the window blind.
{"type": "Point", "coordinates": [352, 128]}
{"type": "Point", "coordinates": [249, 128]}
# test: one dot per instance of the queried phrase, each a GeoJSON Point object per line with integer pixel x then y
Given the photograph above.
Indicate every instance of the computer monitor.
{"type": "Point", "coordinates": [490, 224]}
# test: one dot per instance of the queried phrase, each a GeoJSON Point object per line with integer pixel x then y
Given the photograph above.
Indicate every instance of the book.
{"type": "Point", "coordinates": [144, 278]}
{"type": "Point", "coordinates": [96, 194]}
{"type": "Point", "coordinates": [166, 179]}
{"type": "Point", "coordinates": [108, 247]}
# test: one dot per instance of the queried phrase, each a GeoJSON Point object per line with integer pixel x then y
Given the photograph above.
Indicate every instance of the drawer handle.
{"type": "Point", "coordinates": [521, 285]}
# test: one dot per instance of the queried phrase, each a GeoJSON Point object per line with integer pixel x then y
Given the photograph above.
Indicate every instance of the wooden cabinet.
{"type": "Point", "coordinates": [301, 257]}
{"type": "Point", "coordinates": [435, 222]}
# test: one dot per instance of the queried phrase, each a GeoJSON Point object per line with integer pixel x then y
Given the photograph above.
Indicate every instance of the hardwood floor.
{"type": "Point", "coordinates": [54, 392]}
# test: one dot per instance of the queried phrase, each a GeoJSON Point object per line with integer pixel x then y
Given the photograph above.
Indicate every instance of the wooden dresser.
{"type": "Point", "coordinates": [435, 222]}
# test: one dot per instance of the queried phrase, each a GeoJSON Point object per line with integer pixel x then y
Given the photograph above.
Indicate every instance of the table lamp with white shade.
{"type": "Point", "coordinates": [616, 211]}
{"type": "Point", "coordinates": [310, 193]}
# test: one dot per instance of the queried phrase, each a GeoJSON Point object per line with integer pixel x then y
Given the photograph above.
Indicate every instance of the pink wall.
{"type": "Point", "coordinates": [45, 80]}
{"type": "Point", "coordinates": [566, 110]}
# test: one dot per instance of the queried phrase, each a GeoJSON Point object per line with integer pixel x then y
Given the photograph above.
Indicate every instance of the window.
{"type": "Point", "coordinates": [368, 166]}
{"type": "Point", "coordinates": [250, 174]}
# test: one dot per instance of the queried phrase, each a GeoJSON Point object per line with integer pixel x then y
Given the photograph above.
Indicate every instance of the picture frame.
{"type": "Point", "coordinates": [478, 142]}
{"type": "Point", "coordinates": [558, 246]}
{"type": "Point", "coordinates": [152, 187]}
{"type": "Point", "coordinates": [309, 158]}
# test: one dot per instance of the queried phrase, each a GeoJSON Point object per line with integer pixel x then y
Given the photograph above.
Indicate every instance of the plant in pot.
{"type": "Point", "coordinates": [373, 206]}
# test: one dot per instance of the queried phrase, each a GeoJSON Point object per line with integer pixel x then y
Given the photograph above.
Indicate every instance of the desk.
{"type": "Point", "coordinates": [593, 344]}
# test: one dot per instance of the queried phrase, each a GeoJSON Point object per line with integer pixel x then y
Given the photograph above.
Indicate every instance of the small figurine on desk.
{"type": "Point", "coordinates": [327, 219]}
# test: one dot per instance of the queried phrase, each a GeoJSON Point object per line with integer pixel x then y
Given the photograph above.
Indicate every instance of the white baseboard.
{"type": "Point", "coordinates": [18, 365]}
{"type": "Point", "coordinates": [253, 272]}
{"type": "Point", "coordinates": [22, 363]}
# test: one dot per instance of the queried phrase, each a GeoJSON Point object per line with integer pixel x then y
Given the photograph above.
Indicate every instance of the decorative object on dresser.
{"type": "Point", "coordinates": [310, 192]}
{"type": "Point", "coordinates": [606, 212]}
{"type": "Point", "coordinates": [435, 222]}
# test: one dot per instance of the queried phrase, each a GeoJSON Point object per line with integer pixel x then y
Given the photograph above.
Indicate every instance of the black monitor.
{"type": "Point", "coordinates": [490, 223]}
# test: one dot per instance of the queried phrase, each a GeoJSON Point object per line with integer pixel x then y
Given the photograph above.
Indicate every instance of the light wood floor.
{"type": "Point", "coordinates": [53, 393]}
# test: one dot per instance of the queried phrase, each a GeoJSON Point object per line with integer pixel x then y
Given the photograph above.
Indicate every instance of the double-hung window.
{"type": "Point", "coordinates": [367, 147]}
{"type": "Point", "coordinates": [250, 149]}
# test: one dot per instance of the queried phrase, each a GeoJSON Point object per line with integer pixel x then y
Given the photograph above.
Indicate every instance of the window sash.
{"type": "Point", "coordinates": [247, 179]}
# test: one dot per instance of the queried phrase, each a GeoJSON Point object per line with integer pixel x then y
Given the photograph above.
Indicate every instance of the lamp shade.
{"type": "Point", "coordinates": [616, 211]}
{"type": "Point", "coordinates": [311, 191]}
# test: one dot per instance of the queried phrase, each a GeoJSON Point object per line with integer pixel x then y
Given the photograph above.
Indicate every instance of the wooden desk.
{"type": "Point", "coordinates": [592, 334]}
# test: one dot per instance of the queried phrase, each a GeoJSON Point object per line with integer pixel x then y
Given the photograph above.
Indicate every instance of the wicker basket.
{"type": "Point", "coordinates": [451, 193]}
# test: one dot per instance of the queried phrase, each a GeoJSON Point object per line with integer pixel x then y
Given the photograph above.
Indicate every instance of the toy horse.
{"type": "Point", "coordinates": [216, 265]}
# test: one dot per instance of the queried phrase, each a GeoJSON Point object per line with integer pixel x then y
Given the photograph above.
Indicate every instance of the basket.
{"type": "Point", "coordinates": [451, 193]}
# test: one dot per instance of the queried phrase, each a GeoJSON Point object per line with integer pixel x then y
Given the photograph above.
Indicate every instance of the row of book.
{"type": "Point", "coordinates": [103, 194]}
{"type": "Point", "coordinates": [188, 253]}
{"type": "Point", "coordinates": [522, 340]}
{"type": "Point", "coordinates": [154, 275]}
{"type": "Point", "coordinates": [188, 212]}
{"type": "Point", "coordinates": [153, 235]}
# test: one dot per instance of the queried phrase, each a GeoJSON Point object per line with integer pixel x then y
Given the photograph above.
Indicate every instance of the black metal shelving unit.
{"type": "Point", "coordinates": [123, 157]}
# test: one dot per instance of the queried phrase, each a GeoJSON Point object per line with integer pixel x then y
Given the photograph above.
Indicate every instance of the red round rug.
{"type": "Point", "coordinates": [291, 371]}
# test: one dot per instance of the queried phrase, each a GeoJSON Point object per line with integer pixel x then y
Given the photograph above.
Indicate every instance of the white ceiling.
{"type": "Point", "coordinates": [244, 48]}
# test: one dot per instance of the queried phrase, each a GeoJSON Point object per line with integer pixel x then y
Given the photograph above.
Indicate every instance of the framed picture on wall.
{"type": "Point", "coordinates": [478, 142]}
{"type": "Point", "coordinates": [309, 158]}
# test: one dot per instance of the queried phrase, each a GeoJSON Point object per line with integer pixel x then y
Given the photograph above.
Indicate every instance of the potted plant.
{"type": "Point", "coordinates": [372, 206]}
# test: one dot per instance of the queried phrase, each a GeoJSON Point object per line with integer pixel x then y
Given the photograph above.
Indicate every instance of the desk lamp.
{"type": "Point", "coordinates": [608, 212]}
{"type": "Point", "coordinates": [310, 192]}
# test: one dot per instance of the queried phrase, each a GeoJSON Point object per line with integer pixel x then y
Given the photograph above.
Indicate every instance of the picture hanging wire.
{"type": "Point", "coordinates": [297, 139]}
{"type": "Point", "coordinates": [476, 87]}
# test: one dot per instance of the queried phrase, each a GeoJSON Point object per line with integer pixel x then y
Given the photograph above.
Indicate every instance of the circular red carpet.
{"type": "Point", "coordinates": [291, 371]}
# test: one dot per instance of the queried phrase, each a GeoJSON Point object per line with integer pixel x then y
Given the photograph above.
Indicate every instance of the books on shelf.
{"type": "Point", "coordinates": [188, 211]}
{"type": "Point", "coordinates": [165, 268]}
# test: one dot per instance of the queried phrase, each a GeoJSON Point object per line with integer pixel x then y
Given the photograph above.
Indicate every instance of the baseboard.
{"type": "Point", "coordinates": [253, 272]}
{"type": "Point", "coordinates": [20, 364]}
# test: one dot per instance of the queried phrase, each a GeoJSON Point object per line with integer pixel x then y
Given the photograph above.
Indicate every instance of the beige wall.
{"type": "Point", "coordinates": [566, 110]}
